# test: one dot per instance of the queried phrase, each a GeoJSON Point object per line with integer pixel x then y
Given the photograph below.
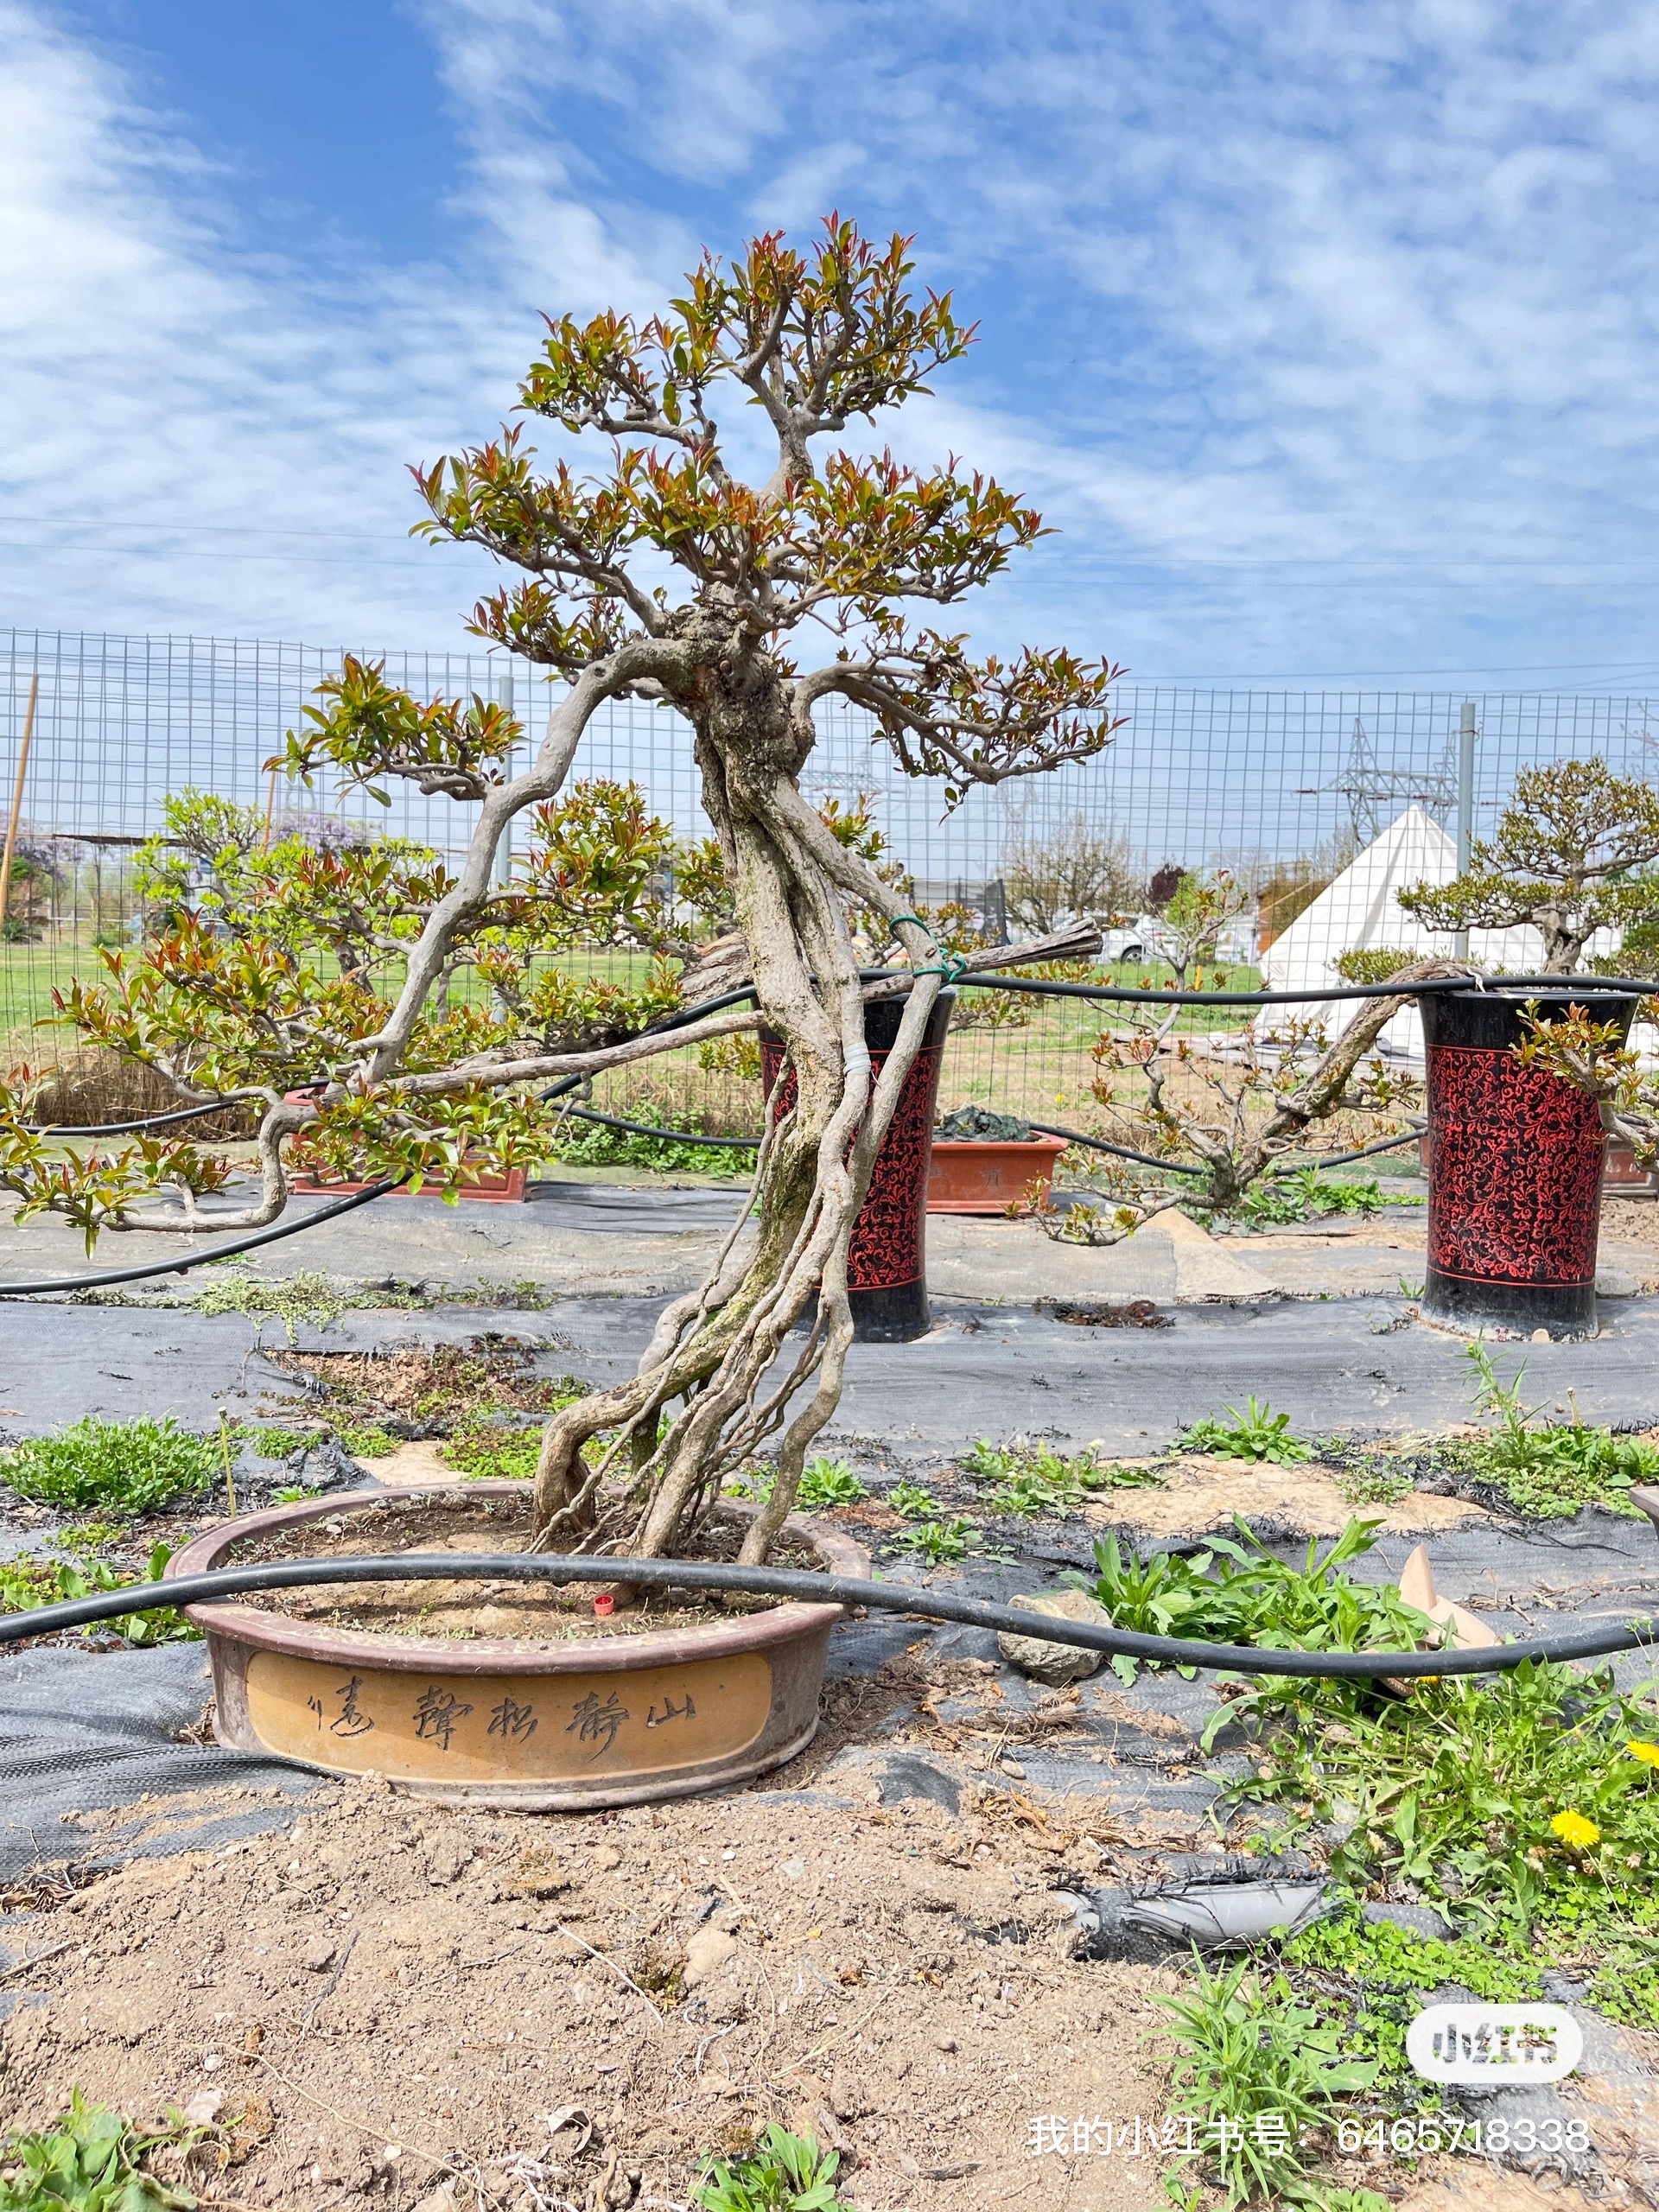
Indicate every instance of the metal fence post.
{"type": "Point", "coordinates": [504, 850]}
{"type": "Point", "coordinates": [1466, 807]}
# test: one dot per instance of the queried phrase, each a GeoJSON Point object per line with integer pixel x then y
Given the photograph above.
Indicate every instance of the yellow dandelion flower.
{"type": "Point", "coordinates": [1647, 1753]}
{"type": "Point", "coordinates": [1575, 1831]}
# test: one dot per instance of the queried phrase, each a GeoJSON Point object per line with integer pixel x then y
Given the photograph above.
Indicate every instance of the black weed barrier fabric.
{"type": "Point", "coordinates": [82, 1734]}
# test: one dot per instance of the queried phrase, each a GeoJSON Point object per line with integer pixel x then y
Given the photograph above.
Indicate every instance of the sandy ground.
{"type": "Point", "coordinates": [408, 2009]}
{"type": "Point", "coordinates": [1199, 1496]}
{"type": "Point", "coordinates": [1632, 1224]}
{"type": "Point", "coordinates": [1195, 1497]}
{"type": "Point", "coordinates": [395, 1999]}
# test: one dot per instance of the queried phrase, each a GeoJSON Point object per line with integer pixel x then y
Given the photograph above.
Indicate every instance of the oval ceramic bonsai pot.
{"type": "Point", "coordinates": [980, 1175]}
{"type": "Point", "coordinates": [535, 1726]}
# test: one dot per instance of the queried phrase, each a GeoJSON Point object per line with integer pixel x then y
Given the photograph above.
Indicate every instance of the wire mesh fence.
{"type": "Point", "coordinates": [1318, 802]}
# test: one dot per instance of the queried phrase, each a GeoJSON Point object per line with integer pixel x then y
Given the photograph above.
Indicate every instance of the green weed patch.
{"type": "Point", "coordinates": [1256, 1433]}
{"type": "Point", "coordinates": [1548, 1472]}
{"type": "Point", "coordinates": [586, 1144]}
{"type": "Point", "coordinates": [783, 2173]}
{"type": "Point", "coordinates": [824, 1484]}
{"type": "Point", "coordinates": [92, 2160]}
{"type": "Point", "coordinates": [1238, 1592]}
{"type": "Point", "coordinates": [1252, 2053]}
{"type": "Point", "coordinates": [367, 1441]}
{"type": "Point", "coordinates": [1528, 1803]}
{"type": "Point", "coordinates": [1307, 1195]}
{"type": "Point", "coordinates": [133, 1466]}
{"type": "Point", "coordinates": [1029, 1477]}
{"type": "Point", "coordinates": [26, 1583]}
{"type": "Point", "coordinates": [939, 1539]}
{"type": "Point", "coordinates": [484, 1452]}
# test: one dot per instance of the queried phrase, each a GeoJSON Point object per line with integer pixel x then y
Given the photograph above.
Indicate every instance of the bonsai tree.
{"type": "Point", "coordinates": [1372, 964]}
{"type": "Point", "coordinates": [663, 576]}
{"type": "Point", "coordinates": [1194, 917]}
{"type": "Point", "coordinates": [211, 851]}
{"type": "Point", "coordinates": [1563, 859]}
{"type": "Point", "coordinates": [37, 867]}
{"type": "Point", "coordinates": [1163, 883]}
{"type": "Point", "coordinates": [266, 965]}
{"type": "Point", "coordinates": [1229, 1122]}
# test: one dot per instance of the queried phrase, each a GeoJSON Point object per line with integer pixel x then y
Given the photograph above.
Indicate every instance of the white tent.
{"type": "Point", "coordinates": [1360, 911]}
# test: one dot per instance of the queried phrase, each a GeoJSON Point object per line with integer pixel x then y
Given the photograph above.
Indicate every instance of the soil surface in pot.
{"type": "Point", "coordinates": [536, 1612]}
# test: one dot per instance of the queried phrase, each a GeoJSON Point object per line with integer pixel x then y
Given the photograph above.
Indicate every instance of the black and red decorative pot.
{"type": "Point", "coordinates": [886, 1262]}
{"type": "Point", "coordinates": [1515, 1166]}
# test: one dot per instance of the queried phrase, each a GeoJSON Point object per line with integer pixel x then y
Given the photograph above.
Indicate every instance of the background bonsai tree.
{"type": "Point", "coordinates": [1230, 1118]}
{"type": "Point", "coordinates": [210, 854]}
{"type": "Point", "coordinates": [38, 866]}
{"type": "Point", "coordinates": [666, 576]}
{"type": "Point", "coordinates": [1565, 858]}
{"type": "Point", "coordinates": [1195, 916]}
{"type": "Point", "coordinates": [1372, 964]}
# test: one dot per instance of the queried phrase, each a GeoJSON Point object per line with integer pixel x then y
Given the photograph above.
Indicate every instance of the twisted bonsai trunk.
{"type": "Point", "coordinates": [714, 1349]}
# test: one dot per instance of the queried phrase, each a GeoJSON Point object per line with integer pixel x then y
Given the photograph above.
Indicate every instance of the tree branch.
{"type": "Point", "coordinates": [643, 656]}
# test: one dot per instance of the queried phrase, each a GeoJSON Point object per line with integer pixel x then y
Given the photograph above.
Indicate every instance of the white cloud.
{"type": "Point", "coordinates": [158, 371]}
{"type": "Point", "coordinates": [1368, 289]}
{"type": "Point", "coordinates": [1287, 311]}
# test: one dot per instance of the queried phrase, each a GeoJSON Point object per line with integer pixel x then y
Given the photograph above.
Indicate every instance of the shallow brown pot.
{"type": "Point", "coordinates": [547, 1726]}
{"type": "Point", "coordinates": [505, 1189]}
{"type": "Point", "coordinates": [1623, 1172]}
{"type": "Point", "coordinates": [971, 1176]}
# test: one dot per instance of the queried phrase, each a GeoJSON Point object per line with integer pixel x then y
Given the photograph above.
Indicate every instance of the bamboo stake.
{"type": "Point", "coordinates": [17, 796]}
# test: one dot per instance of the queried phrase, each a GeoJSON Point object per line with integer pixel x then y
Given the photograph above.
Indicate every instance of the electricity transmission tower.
{"type": "Point", "coordinates": [1375, 795]}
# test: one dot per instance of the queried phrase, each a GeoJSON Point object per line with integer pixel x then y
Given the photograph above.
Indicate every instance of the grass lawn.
{"type": "Point", "coordinates": [1040, 1068]}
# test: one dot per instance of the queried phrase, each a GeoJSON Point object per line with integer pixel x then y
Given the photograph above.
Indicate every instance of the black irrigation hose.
{"type": "Point", "coordinates": [1366, 1151]}
{"type": "Point", "coordinates": [1177, 1167]}
{"type": "Point", "coordinates": [675, 1021]}
{"type": "Point", "coordinates": [181, 1265]}
{"type": "Point", "coordinates": [817, 1589]}
{"type": "Point", "coordinates": [1617, 986]}
{"type": "Point", "coordinates": [1593, 987]}
{"type": "Point", "coordinates": [143, 1122]}
{"type": "Point", "coordinates": [109, 1276]}
{"type": "Point", "coordinates": [643, 1130]}
{"type": "Point", "coordinates": [1599, 986]}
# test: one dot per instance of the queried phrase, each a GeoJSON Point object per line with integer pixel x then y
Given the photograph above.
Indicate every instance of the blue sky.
{"type": "Point", "coordinates": [1327, 334]}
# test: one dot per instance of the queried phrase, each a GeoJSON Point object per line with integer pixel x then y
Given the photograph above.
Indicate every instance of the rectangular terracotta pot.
{"type": "Point", "coordinates": [967, 1176]}
{"type": "Point", "coordinates": [501, 1189]}
{"type": "Point", "coordinates": [1620, 1172]}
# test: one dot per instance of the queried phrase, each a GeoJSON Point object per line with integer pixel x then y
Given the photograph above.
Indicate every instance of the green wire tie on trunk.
{"type": "Point", "coordinates": [953, 965]}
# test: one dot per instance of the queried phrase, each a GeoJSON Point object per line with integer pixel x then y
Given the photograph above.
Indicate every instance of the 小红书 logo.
{"type": "Point", "coordinates": [1500, 2045]}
